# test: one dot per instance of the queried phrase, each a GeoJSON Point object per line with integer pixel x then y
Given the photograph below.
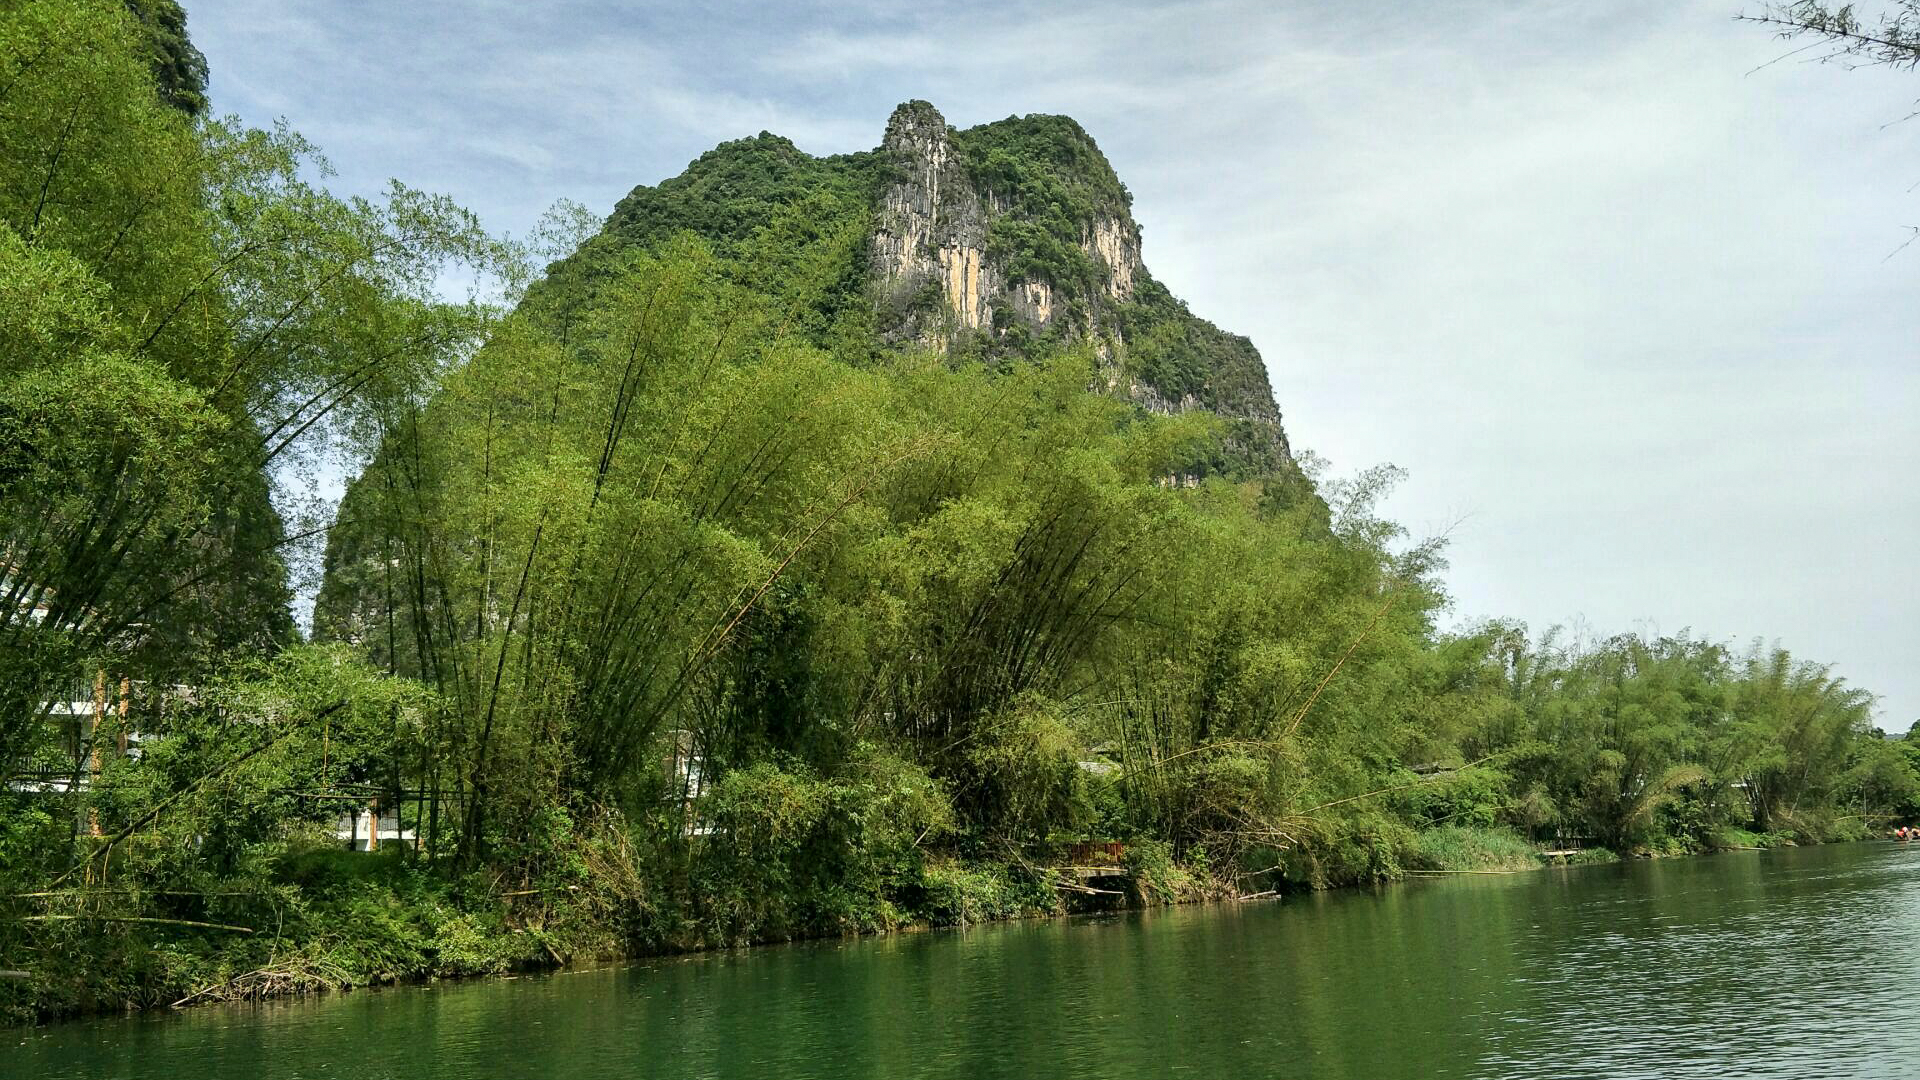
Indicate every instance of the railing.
{"type": "Point", "coordinates": [44, 779]}
{"type": "Point", "coordinates": [1088, 852]}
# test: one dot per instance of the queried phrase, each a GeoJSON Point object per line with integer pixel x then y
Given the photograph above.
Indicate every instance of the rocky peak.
{"type": "Point", "coordinates": [931, 230]}
{"type": "Point", "coordinates": [916, 128]}
{"type": "Point", "coordinates": [935, 257]}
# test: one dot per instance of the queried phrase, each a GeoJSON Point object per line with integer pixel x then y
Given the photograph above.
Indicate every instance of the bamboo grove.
{"type": "Point", "coordinates": [670, 606]}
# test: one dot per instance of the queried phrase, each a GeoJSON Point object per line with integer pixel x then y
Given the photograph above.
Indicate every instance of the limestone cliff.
{"type": "Point", "coordinates": [1019, 232]}
{"type": "Point", "coordinates": [931, 229]}
{"type": "Point", "coordinates": [936, 224]}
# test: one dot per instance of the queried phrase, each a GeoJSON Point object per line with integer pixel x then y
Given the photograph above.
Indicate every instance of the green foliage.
{"type": "Point", "coordinates": [1172, 350]}
{"type": "Point", "coordinates": [1675, 744]}
{"type": "Point", "coordinates": [1466, 798]}
{"type": "Point", "coordinates": [32, 843]}
{"type": "Point", "coordinates": [734, 191]}
{"type": "Point", "coordinates": [1462, 847]}
{"type": "Point", "coordinates": [190, 312]}
{"type": "Point", "coordinates": [1055, 183]}
{"type": "Point", "coordinates": [1187, 360]}
{"type": "Point", "coordinates": [952, 894]}
{"type": "Point", "coordinates": [1025, 774]}
{"type": "Point", "coordinates": [791, 853]}
{"type": "Point", "coordinates": [791, 228]}
{"type": "Point", "coordinates": [1733, 838]}
{"type": "Point", "coordinates": [1156, 877]}
{"type": "Point", "coordinates": [179, 70]}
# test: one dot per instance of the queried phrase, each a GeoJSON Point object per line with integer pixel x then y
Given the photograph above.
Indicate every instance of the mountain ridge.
{"type": "Point", "coordinates": [1002, 240]}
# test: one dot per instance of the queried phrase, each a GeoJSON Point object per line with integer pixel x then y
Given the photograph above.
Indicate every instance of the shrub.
{"type": "Point", "coordinates": [792, 853]}
{"type": "Point", "coordinates": [955, 895]}
{"type": "Point", "coordinates": [1459, 847]}
{"type": "Point", "coordinates": [1157, 879]}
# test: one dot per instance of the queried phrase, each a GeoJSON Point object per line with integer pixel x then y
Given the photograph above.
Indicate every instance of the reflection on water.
{"type": "Point", "coordinates": [1794, 963]}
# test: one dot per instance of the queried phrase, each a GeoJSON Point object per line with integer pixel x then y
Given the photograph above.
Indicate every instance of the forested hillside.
{"type": "Point", "coordinates": [818, 545]}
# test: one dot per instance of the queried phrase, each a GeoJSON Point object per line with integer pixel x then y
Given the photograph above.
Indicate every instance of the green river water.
{"type": "Point", "coordinates": [1795, 963]}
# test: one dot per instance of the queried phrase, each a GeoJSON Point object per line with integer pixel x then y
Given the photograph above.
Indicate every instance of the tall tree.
{"type": "Point", "coordinates": [186, 311]}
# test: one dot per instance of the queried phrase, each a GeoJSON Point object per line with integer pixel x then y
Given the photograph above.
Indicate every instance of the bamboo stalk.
{"type": "Point", "coordinates": [137, 919]}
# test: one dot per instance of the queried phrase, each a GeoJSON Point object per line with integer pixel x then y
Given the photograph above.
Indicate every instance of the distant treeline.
{"type": "Point", "coordinates": [670, 610]}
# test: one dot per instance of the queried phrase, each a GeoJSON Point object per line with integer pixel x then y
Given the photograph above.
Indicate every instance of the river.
{"type": "Point", "coordinates": [1794, 963]}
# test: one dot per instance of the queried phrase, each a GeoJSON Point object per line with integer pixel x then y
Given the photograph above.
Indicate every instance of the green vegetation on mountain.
{"type": "Point", "coordinates": [1054, 183]}
{"type": "Point", "coordinates": [179, 71]}
{"type": "Point", "coordinates": [675, 605]}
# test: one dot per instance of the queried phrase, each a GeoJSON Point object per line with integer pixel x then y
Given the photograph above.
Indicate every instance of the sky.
{"type": "Point", "coordinates": [1621, 295]}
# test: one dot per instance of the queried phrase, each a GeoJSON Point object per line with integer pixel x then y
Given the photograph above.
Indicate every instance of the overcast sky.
{"type": "Point", "coordinates": [1620, 303]}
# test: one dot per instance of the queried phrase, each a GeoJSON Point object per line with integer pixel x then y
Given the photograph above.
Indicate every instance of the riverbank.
{"type": "Point", "coordinates": [1456, 849]}
{"type": "Point", "coordinates": [333, 921]}
{"type": "Point", "coordinates": [1455, 977]}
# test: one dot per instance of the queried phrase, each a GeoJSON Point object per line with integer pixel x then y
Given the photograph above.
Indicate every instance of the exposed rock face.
{"type": "Point", "coordinates": [1117, 243]}
{"type": "Point", "coordinates": [931, 226]}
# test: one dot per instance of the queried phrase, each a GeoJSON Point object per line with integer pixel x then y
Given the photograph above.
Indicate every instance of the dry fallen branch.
{"type": "Point", "coordinates": [1425, 872]}
{"type": "Point", "coordinates": [268, 982]}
